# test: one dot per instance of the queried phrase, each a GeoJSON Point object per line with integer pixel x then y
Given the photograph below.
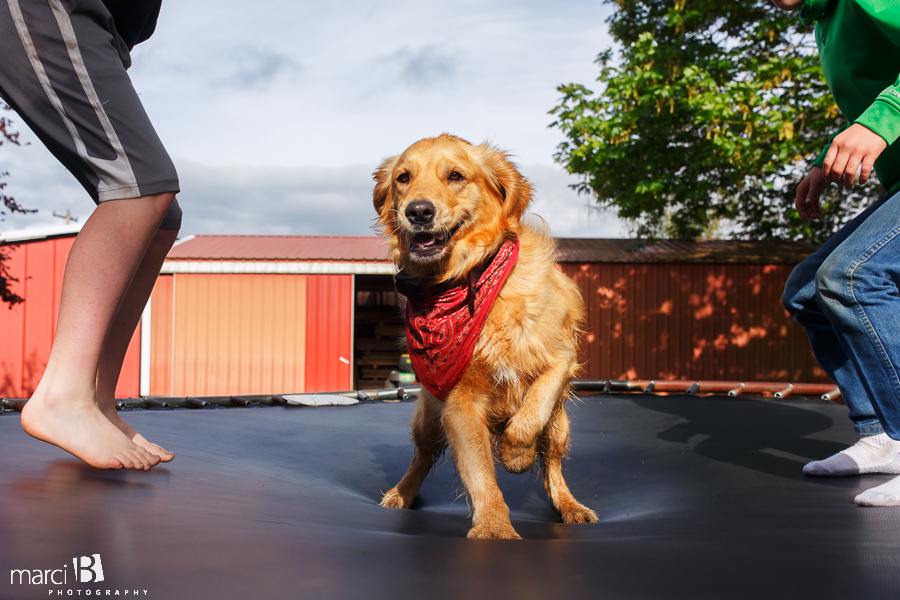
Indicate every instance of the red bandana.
{"type": "Point", "coordinates": [443, 325]}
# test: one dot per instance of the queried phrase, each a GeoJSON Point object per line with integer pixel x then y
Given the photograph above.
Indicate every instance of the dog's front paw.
{"type": "Point", "coordinates": [394, 499]}
{"type": "Point", "coordinates": [517, 457]}
{"type": "Point", "coordinates": [578, 513]}
{"type": "Point", "coordinates": [494, 530]}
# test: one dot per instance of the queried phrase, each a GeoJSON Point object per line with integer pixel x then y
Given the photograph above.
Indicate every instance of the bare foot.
{"type": "Point", "coordinates": [83, 431]}
{"type": "Point", "coordinates": [130, 432]}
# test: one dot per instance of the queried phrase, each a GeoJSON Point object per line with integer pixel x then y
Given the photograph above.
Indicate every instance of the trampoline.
{"type": "Point", "coordinates": [698, 498]}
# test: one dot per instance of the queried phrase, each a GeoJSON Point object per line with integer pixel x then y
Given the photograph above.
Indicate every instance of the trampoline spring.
{"type": "Point", "coordinates": [832, 396]}
{"type": "Point", "coordinates": [410, 393]}
{"type": "Point", "coordinates": [736, 391]}
{"type": "Point", "coordinates": [784, 393]}
{"type": "Point", "coordinates": [621, 385]}
{"type": "Point", "coordinates": [255, 400]}
{"type": "Point", "coordinates": [589, 385]}
{"type": "Point", "coordinates": [130, 403]}
{"type": "Point", "coordinates": [13, 404]}
{"type": "Point", "coordinates": [196, 402]}
{"type": "Point", "coordinates": [695, 387]}
{"type": "Point", "coordinates": [154, 403]}
{"type": "Point", "coordinates": [650, 387]}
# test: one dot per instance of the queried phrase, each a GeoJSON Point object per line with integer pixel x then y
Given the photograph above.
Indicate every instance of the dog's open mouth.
{"type": "Point", "coordinates": [428, 244]}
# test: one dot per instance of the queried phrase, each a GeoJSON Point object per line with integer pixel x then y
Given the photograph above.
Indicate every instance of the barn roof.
{"type": "Point", "coordinates": [351, 248]}
{"type": "Point", "coordinates": [36, 234]}
{"type": "Point", "coordinates": [571, 250]}
{"type": "Point", "coordinates": [577, 250]}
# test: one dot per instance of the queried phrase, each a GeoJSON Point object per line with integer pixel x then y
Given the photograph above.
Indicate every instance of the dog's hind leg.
{"type": "Point", "coordinates": [465, 422]}
{"type": "Point", "coordinates": [553, 445]}
{"type": "Point", "coordinates": [428, 437]}
{"type": "Point", "coordinates": [518, 448]}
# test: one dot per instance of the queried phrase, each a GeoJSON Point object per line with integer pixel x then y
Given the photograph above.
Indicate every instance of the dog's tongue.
{"type": "Point", "coordinates": [425, 240]}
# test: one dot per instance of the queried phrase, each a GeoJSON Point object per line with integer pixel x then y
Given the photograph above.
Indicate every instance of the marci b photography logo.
{"type": "Point", "coordinates": [91, 569]}
{"type": "Point", "coordinates": [86, 569]}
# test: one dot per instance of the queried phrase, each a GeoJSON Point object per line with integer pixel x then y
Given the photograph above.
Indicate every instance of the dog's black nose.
{"type": "Point", "coordinates": [420, 212]}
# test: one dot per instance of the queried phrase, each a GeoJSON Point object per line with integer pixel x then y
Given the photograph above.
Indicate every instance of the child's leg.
{"type": "Point", "coordinates": [123, 326]}
{"type": "Point", "coordinates": [64, 73]}
{"type": "Point", "coordinates": [799, 299]}
{"type": "Point", "coordinates": [857, 288]}
{"type": "Point", "coordinates": [874, 452]}
{"type": "Point", "coordinates": [102, 263]}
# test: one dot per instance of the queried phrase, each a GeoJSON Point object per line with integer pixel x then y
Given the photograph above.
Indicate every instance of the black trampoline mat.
{"type": "Point", "coordinates": [698, 498]}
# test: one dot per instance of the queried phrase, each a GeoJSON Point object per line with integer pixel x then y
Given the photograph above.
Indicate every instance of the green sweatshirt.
{"type": "Point", "coordinates": [859, 48]}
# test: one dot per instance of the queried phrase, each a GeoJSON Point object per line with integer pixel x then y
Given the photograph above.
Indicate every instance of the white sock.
{"type": "Point", "coordinates": [871, 454]}
{"type": "Point", "coordinates": [886, 494]}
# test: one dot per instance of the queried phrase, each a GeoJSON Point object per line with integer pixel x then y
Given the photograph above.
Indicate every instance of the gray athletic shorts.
{"type": "Point", "coordinates": [62, 69]}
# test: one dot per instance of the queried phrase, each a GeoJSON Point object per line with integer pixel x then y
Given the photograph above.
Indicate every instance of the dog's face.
{"type": "Point", "coordinates": [446, 205]}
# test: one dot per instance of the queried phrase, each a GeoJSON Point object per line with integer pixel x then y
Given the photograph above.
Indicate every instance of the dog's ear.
{"type": "Point", "coordinates": [383, 182]}
{"type": "Point", "coordinates": [513, 190]}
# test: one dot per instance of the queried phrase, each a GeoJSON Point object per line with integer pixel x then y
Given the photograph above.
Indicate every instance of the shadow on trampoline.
{"type": "Point", "coordinates": [769, 437]}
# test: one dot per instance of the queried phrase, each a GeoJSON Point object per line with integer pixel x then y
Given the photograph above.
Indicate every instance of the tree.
{"type": "Point", "coordinates": [708, 118]}
{"type": "Point", "coordinates": [7, 135]}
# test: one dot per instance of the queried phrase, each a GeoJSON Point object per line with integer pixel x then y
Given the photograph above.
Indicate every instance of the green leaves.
{"type": "Point", "coordinates": [707, 119]}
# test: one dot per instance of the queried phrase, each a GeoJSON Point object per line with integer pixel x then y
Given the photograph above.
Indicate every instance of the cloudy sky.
{"type": "Point", "coordinates": [277, 112]}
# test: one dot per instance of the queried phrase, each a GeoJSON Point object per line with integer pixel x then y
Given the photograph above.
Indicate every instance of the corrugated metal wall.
{"type": "Point", "coordinates": [231, 334]}
{"type": "Point", "coordinates": [27, 330]}
{"type": "Point", "coordinates": [161, 336]}
{"type": "Point", "coordinates": [329, 348]}
{"type": "Point", "coordinates": [691, 321]}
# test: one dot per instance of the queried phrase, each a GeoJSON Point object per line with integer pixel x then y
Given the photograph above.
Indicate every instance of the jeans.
{"type": "Point", "coordinates": [845, 295]}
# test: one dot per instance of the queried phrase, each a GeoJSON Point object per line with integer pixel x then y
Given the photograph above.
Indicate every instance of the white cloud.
{"type": "Point", "coordinates": [426, 66]}
{"type": "Point", "coordinates": [258, 68]}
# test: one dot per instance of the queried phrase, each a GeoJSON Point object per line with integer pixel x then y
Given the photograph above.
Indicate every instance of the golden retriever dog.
{"type": "Point", "coordinates": [447, 207]}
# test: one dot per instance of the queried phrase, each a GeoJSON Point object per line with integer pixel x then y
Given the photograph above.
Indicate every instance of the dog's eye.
{"type": "Point", "coordinates": [456, 176]}
{"type": "Point", "coordinates": [403, 178]}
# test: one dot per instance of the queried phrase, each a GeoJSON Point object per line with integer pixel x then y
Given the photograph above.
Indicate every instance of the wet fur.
{"type": "Point", "coordinates": [512, 398]}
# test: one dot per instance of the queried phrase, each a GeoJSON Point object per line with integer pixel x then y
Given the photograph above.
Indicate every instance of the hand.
{"type": "Point", "coordinates": [856, 147]}
{"type": "Point", "coordinates": [808, 193]}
